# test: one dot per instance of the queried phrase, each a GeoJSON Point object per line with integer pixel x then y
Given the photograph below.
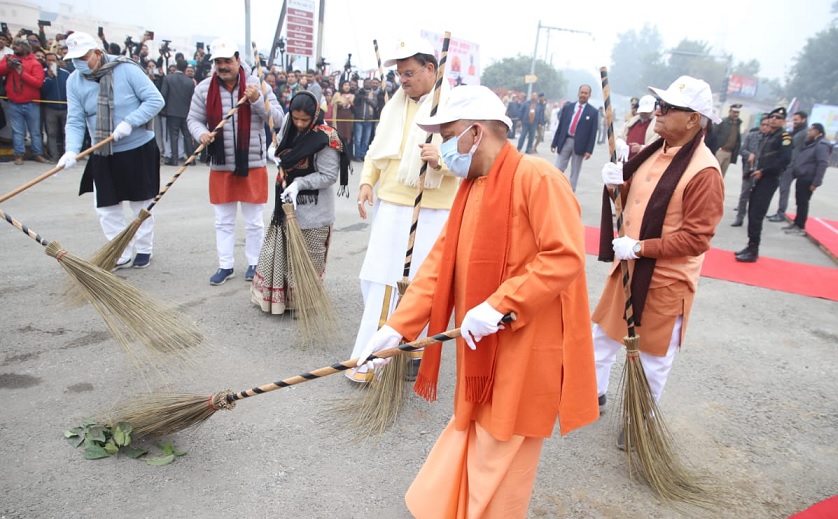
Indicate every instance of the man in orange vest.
{"type": "Point", "coordinates": [669, 217]}
{"type": "Point", "coordinates": [513, 244]}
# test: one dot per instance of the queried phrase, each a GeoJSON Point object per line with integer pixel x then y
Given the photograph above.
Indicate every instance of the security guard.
{"type": "Point", "coordinates": [773, 159]}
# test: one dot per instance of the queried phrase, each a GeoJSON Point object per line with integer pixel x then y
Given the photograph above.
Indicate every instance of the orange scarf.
{"type": "Point", "coordinates": [486, 266]}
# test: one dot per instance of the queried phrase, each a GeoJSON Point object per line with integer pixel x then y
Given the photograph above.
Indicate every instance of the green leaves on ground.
{"type": "Point", "coordinates": [102, 441]}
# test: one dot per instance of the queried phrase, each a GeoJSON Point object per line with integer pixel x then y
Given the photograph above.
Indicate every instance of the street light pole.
{"type": "Point", "coordinates": [535, 51]}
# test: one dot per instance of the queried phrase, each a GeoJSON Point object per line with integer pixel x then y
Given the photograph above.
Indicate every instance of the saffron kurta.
{"type": "Point", "coordinates": [544, 366]}
{"type": "Point", "coordinates": [690, 223]}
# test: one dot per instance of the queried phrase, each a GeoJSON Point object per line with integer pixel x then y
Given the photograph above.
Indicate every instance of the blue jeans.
{"type": "Point", "coordinates": [26, 116]}
{"type": "Point", "coordinates": [361, 136]}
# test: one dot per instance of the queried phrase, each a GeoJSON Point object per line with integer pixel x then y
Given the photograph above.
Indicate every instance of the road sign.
{"type": "Point", "coordinates": [300, 28]}
{"type": "Point", "coordinates": [530, 79]}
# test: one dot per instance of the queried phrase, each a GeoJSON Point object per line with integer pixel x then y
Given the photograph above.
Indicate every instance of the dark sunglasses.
{"type": "Point", "coordinates": [665, 107]}
{"type": "Point", "coordinates": [775, 116]}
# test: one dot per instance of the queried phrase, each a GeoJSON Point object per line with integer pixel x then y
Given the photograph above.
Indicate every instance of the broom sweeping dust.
{"type": "Point", "coordinates": [649, 444]}
{"type": "Point", "coordinates": [129, 314]}
{"type": "Point", "coordinates": [157, 414]}
{"type": "Point", "coordinates": [381, 404]}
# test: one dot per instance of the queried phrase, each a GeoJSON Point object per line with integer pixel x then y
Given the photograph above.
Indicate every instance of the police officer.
{"type": "Point", "coordinates": [773, 159]}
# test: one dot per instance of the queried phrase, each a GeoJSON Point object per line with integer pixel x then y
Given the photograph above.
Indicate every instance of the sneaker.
{"type": "Point", "coordinates": [796, 231]}
{"type": "Point", "coordinates": [251, 271]}
{"type": "Point", "coordinates": [18, 160]}
{"type": "Point", "coordinates": [41, 159]}
{"type": "Point", "coordinates": [221, 275]}
{"type": "Point", "coordinates": [122, 265]}
{"type": "Point", "coordinates": [142, 260]}
{"type": "Point", "coordinates": [790, 226]}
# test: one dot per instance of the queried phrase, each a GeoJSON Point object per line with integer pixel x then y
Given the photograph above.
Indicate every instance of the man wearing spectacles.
{"type": "Point", "coordinates": [673, 194]}
{"type": "Point", "coordinates": [750, 150]}
{"type": "Point", "coordinates": [773, 159]}
{"type": "Point", "coordinates": [392, 165]}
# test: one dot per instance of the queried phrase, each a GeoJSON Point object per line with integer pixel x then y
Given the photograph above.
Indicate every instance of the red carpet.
{"type": "Point", "coordinates": [823, 232]}
{"type": "Point", "coordinates": [773, 274]}
{"type": "Point", "coordinates": [827, 509]}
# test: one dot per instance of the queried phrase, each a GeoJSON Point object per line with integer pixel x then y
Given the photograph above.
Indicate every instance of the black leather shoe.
{"type": "Point", "coordinates": [750, 255]}
{"type": "Point", "coordinates": [777, 218]}
{"type": "Point", "coordinates": [170, 163]}
{"type": "Point", "coordinates": [737, 223]}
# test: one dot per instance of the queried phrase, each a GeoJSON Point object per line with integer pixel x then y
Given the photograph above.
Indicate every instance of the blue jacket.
{"type": "Point", "coordinates": [586, 128]}
{"type": "Point", "coordinates": [524, 114]}
{"type": "Point", "coordinates": [55, 89]}
{"type": "Point", "coordinates": [135, 100]}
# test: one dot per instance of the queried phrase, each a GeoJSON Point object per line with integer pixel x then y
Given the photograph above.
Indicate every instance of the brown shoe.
{"type": "Point", "coordinates": [18, 160]}
{"type": "Point", "coordinates": [41, 159]}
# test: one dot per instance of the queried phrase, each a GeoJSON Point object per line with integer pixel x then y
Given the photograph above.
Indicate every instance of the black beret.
{"type": "Point", "coordinates": [779, 111]}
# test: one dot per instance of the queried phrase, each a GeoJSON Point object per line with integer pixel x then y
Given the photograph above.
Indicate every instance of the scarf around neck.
{"type": "Point", "coordinates": [241, 131]}
{"type": "Point", "coordinates": [104, 100]}
{"type": "Point", "coordinates": [653, 217]}
{"type": "Point", "coordinates": [297, 154]}
{"type": "Point", "coordinates": [486, 265]}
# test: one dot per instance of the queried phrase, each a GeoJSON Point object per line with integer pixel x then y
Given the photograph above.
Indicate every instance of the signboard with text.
{"type": "Point", "coordinates": [742, 86]}
{"type": "Point", "coordinates": [300, 28]}
{"type": "Point", "coordinates": [463, 66]}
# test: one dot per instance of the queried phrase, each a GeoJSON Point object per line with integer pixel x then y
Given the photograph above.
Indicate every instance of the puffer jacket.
{"type": "Point", "coordinates": [811, 161]}
{"type": "Point", "coordinates": [197, 121]}
{"type": "Point", "coordinates": [23, 87]}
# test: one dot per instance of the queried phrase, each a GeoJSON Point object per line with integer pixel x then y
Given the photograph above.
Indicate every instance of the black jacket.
{"type": "Point", "coordinates": [775, 155]}
{"type": "Point", "coordinates": [811, 161]}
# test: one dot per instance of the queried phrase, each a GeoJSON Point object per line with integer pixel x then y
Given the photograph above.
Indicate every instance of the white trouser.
{"type": "Point", "coordinates": [225, 232]}
{"type": "Point", "coordinates": [656, 368]}
{"type": "Point", "coordinates": [112, 219]}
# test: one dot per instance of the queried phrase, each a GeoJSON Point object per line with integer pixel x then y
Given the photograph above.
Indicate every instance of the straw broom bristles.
{"type": "Point", "coordinates": [156, 414]}
{"type": "Point", "coordinates": [106, 257]}
{"type": "Point", "coordinates": [312, 303]}
{"type": "Point", "coordinates": [130, 314]}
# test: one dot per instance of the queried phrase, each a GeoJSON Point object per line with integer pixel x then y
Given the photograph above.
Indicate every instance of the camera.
{"type": "Point", "coordinates": [44, 23]}
{"type": "Point", "coordinates": [13, 62]}
{"type": "Point", "coordinates": [164, 49]}
{"type": "Point", "coordinates": [348, 65]}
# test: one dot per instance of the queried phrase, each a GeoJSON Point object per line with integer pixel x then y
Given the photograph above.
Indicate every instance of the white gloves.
{"type": "Point", "coordinates": [68, 160]}
{"type": "Point", "coordinates": [272, 155]}
{"type": "Point", "coordinates": [612, 174]}
{"type": "Point", "coordinates": [624, 248]}
{"type": "Point", "coordinates": [480, 321]}
{"type": "Point", "coordinates": [622, 150]}
{"type": "Point", "coordinates": [383, 339]}
{"type": "Point", "coordinates": [121, 131]}
{"type": "Point", "coordinates": [291, 193]}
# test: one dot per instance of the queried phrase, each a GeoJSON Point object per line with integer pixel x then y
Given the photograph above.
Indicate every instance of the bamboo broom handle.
{"type": "Point", "coordinates": [618, 202]}
{"type": "Point", "coordinates": [195, 154]}
{"type": "Point", "coordinates": [380, 70]}
{"type": "Point", "coordinates": [54, 170]}
{"type": "Point", "coordinates": [420, 188]}
{"type": "Point", "coordinates": [351, 363]}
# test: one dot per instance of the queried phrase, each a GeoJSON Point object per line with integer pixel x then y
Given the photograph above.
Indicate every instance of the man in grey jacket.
{"type": "Point", "coordinates": [177, 91]}
{"type": "Point", "coordinates": [237, 153]}
{"type": "Point", "coordinates": [808, 168]}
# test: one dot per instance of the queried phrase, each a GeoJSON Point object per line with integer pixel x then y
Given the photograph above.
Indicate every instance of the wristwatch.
{"type": "Point", "coordinates": [636, 249]}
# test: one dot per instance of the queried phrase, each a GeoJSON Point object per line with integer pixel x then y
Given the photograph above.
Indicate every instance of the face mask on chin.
{"type": "Point", "coordinates": [458, 163]}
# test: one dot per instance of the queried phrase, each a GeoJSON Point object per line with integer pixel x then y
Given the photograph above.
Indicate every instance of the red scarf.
{"type": "Point", "coordinates": [486, 265]}
{"type": "Point", "coordinates": [242, 130]}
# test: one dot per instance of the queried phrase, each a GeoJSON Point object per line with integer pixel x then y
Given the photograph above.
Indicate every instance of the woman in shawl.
{"type": "Point", "coordinates": [312, 157]}
{"type": "Point", "coordinates": [343, 111]}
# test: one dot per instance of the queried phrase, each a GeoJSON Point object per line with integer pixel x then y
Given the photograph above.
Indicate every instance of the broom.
{"type": "Point", "coordinates": [313, 306]}
{"type": "Point", "coordinates": [649, 442]}
{"type": "Point", "coordinates": [157, 414]}
{"type": "Point", "coordinates": [107, 256]}
{"type": "Point", "coordinates": [53, 171]}
{"type": "Point", "coordinates": [381, 405]}
{"type": "Point", "coordinates": [128, 313]}
{"type": "Point", "coordinates": [380, 70]}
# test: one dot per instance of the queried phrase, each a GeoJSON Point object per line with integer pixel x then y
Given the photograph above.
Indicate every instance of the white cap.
{"type": "Point", "coordinates": [409, 48]}
{"type": "Point", "coordinates": [79, 44]}
{"type": "Point", "coordinates": [646, 104]}
{"type": "Point", "coordinates": [469, 102]}
{"type": "Point", "coordinates": [223, 48]}
{"type": "Point", "coordinates": [689, 92]}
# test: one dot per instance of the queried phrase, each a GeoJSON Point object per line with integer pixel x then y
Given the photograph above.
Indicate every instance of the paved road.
{"type": "Point", "coordinates": [751, 399]}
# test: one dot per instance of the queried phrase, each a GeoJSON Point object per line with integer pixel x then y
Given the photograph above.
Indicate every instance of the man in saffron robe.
{"type": "Point", "coordinates": [513, 244]}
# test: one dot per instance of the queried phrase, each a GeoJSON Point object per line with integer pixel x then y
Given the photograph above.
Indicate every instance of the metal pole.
{"type": "Point", "coordinates": [534, 53]}
{"type": "Point", "coordinates": [247, 39]}
{"type": "Point", "coordinates": [277, 35]}
{"type": "Point", "coordinates": [318, 53]}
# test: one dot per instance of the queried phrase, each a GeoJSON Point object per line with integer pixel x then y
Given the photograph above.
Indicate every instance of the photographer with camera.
{"type": "Point", "coordinates": [24, 78]}
{"type": "Point", "coordinates": [366, 112]}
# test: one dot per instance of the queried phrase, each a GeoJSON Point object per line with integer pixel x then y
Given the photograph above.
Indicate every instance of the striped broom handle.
{"type": "Point", "coordinates": [420, 188]}
{"type": "Point", "coordinates": [618, 203]}
{"type": "Point", "coordinates": [349, 364]}
{"type": "Point", "coordinates": [26, 230]}
{"type": "Point", "coordinates": [380, 70]}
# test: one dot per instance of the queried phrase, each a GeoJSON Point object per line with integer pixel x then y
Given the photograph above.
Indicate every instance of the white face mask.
{"type": "Point", "coordinates": [458, 163]}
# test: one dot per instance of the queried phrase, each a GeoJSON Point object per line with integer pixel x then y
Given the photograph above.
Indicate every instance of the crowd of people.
{"type": "Point", "coordinates": [498, 233]}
